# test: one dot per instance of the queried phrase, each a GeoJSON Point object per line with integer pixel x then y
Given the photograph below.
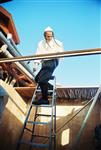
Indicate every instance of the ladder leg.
{"type": "Point", "coordinates": [21, 135]}
{"type": "Point", "coordinates": [54, 127]}
{"type": "Point", "coordinates": [53, 120]}
{"type": "Point", "coordinates": [26, 119]}
{"type": "Point", "coordinates": [51, 130]}
{"type": "Point", "coordinates": [33, 128]}
{"type": "Point", "coordinates": [54, 113]}
{"type": "Point", "coordinates": [35, 116]}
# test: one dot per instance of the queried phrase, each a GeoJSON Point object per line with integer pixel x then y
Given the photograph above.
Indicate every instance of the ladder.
{"type": "Point", "coordinates": [30, 126]}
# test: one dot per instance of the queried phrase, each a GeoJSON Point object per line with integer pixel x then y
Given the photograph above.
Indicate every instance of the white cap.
{"type": "Point", "coordinates": [48, 29]}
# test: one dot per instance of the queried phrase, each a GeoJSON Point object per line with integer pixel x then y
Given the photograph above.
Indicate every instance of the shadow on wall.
{"type": "Point", "coordinates": [67, 132]}
{"type": "Point", "coordinates": [12, 115]}
{"type": "Point", "coordinates": [10, 129]}
{"type": "Point", "coordinates": [11, 123]}
{"type": "Point", "coordinates": [10, 126]}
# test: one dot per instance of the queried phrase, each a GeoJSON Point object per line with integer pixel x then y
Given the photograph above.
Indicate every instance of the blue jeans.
{"type": "Point", "coordinates": [42, 78]}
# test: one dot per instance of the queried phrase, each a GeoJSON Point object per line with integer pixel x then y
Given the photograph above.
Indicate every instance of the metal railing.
{"type": "Point", "coordinates": [11, 52]}
{"type": "Point", "coordinates": [54, 55]}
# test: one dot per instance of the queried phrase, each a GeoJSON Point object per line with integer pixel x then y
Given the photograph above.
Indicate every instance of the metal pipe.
{"type": "Point", "coordinates": [13, 50]}
{"type": "Point", "coordinates": [54, 55]}
{"type": "Point", "coordinates": [86, 119]}
{"type": "Point", "coordinates": [13, 44]}
{"type": "Point", "coordinates": [16, 53]}
{"type": "Point", "coordinates": [7, 42]}
{"type": "Point", "coordinates": [19, 66]}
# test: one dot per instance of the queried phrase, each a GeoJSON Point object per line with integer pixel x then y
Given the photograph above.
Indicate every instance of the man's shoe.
{"type": "Point", "coordinates": [40, 102]}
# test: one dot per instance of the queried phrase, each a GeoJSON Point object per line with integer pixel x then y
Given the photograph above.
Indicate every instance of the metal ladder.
{"type": "Point", "coordinates": [48, 141]}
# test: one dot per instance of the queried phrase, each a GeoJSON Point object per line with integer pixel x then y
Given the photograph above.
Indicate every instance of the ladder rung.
{"type": "Point", "coordinates": [45, 115]}
{"type": "Point", "coordinates": [49, 91]}
{"type": "Point", "coordinates": [42, 136]}
{"type": "Point", "coordinates": [34, 144]}
{"type": "Point", "coordinates": [38, 90]}
{"type": "Point", "coordinates": [31, 122]}
{"type": "Point", "coordinates": [28, 129]}
{"type": "Point", "coordinates": [43, 105]}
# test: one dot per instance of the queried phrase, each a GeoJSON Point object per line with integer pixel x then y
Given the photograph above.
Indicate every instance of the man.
{"type": "Point", "coordinates": [46, 46]}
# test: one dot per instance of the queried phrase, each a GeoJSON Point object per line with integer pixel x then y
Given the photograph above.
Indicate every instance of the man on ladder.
{"type": "Point", "coordinates": [46, 46]}
{"type": "Point", "coordinates": [49, 45]}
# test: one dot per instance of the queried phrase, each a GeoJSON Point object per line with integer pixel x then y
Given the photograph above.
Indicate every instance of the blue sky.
{"type": "Point", "coordinates": [76, 23]}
